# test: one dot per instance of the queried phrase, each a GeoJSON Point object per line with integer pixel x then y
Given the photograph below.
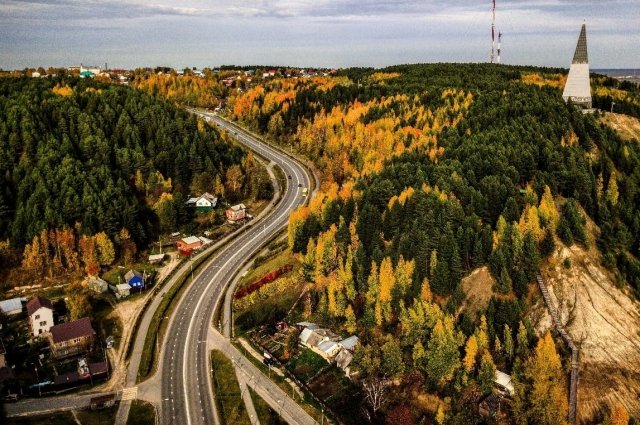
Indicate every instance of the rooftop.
{"type": "Point", "coordinates": [36, 303]}
{"type": "Point", "coordinates": [72, 330]}
{"type": "Point", "coordinates": [11, 305]}
{"type": "Point", "coordinates": [191, 240]}
{"type": "Point", "coordinates": [238, 207]}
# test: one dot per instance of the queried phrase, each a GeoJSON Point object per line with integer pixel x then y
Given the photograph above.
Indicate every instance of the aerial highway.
{"type": "Point", "coordinates": [186, 389]}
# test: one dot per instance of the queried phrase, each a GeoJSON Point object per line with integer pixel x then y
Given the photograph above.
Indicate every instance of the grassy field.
{"type": "Point", "coordinates": [141, 413]}
{"type": "Point", "coordinates": [266, 415]}
{"type": "Point", "coordinates": [227, 391]}
{"type": "Point", "coordinates": [306, 365]}
{"type": "Point", "coordinates": [274, 263]}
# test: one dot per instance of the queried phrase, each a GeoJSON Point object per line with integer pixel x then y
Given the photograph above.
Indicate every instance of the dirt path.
{"type": "Point", "coordinates": [128, 311]}
{"type": "Point", "coordinates": [604, 322]}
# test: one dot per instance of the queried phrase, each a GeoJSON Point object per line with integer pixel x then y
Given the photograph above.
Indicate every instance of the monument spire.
{"type": "Point", "coordinates": [578, 86]}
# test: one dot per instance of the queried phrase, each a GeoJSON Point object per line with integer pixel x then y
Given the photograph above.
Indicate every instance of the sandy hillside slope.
{"type": "Point", "coordinates": [603, 321]}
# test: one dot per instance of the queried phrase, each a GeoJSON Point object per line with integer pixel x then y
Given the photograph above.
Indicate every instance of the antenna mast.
{"type": "Point", "coordinates": [493, 36]}
{"type": "Point", "coordinates": [499, 44]}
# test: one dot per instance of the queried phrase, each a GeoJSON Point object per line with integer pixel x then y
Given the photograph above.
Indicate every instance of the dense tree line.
{"type": "Point", "coordinates": [76, 153]}
{"type": "Point", "coordinates": [431, 171]}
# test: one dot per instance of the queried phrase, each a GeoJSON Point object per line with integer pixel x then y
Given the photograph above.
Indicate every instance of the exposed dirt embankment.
{"type": "Point", "coordinates": [627, 127]}
{"type": "Point", "coordinates": [603, 321]}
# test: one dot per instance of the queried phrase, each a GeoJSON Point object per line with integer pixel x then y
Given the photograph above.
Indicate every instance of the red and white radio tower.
{"type": "Point", "coordinates": [494, 58]}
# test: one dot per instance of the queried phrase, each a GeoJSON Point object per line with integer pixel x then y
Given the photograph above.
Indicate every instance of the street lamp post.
{"type": "Point", "coordinates": [38, 378]}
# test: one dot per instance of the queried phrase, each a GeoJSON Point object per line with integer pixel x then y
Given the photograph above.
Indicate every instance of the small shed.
{"type": "Point", "coordinates": [11, 306]}
{"type": "Point", "coordinates": [156, 258]}
{"type": "Point", "coordinates": [134, 279]}
{"type": "Point", "coordinates": [503, 382]}
{"type": "Point", "coordinates": [122, 290]}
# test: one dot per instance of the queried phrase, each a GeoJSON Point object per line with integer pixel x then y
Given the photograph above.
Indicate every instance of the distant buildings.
{"type": "Point", "coordinates": [40, 311]}
{"type": "Point", "coordinates": [578, 86]}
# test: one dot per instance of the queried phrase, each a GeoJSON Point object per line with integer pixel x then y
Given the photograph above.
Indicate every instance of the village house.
{"type": "Point", "coordinates": [134, 279]}
{"type": "Point", "coordinates": [71, 338]}
{"type": "Point", "coordinates": [156, 258]}
{"type": "Point", "coordinates": [204, 202]}
{"type": "Point", "coordinates": [188, 244]}
{"type": "Point", "coordinates": [321, 341]}
{"type": "Point", "coordinates": [236, 212]}
{"type": "Point", "coordinates": [345, 356]}
{"type": "Point", "coordinates": [40, 311]}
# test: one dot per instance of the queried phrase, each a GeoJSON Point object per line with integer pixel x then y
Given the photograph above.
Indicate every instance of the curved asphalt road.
{"type": "Point", "coordinates": [187, 396]}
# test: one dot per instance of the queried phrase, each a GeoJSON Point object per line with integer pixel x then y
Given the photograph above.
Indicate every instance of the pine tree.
{"type": "Point", "coordinates": [508, 342]}
{"type": "Point", "coordinates": [392, 362]}
{"type": "Point", "coordinates": [106, 251]}
{"type": "Point", "coordinates": [486, 373]}
{"type": "Point", "coordinates": [350, 320]}
{"type": "Point", "coordinates": [470, 350]}
{"type": "Point", "coordinates": [522, 340]}
{"type": "Point", "coordinates": [548, 211]}
{"type": "Point", "coordinates": [504, 284]}
{"type": "Point", "coordinates": [531, 262]}
{"type": "Point", "coordinates": [425, 291]}
{"type": "Point", "coordinates": [548, 244]}
{"type": "Point", "coordinates": [404, 277]}
{"type": "Point", "coordinates": [482, 335]}
{"type": "Point", "coordinates": [89, 252]}
{"type": "Point", "coordinates": [387, 285]}
{"type": "Point", "coordinates": [612, 190]}
{"type": "Point", "coordinates": [548, 396]}
{"type": "Point", "coordinates": [308, 268]}
{"type": "Point", "coordinates": [442, 351]}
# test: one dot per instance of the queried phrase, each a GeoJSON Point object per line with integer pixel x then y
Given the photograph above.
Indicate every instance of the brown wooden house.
{"type": "Point", "coordinates": [71, 338]}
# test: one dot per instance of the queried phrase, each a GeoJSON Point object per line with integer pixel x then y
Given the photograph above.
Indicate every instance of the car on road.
{"type": "Point", "coordinates": [289, 176]}
{"type": "Point", "coordinates": [299, 184]}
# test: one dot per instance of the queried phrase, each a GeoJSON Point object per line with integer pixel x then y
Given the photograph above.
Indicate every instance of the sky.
{"type": "Point", "coordinates": [322, 33]}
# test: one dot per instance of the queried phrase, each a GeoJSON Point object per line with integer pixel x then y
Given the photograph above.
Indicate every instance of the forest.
{"type": "Point", "coordinates": [430, 171]}
{"type": "Point", "coordinates": [79, 159]}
